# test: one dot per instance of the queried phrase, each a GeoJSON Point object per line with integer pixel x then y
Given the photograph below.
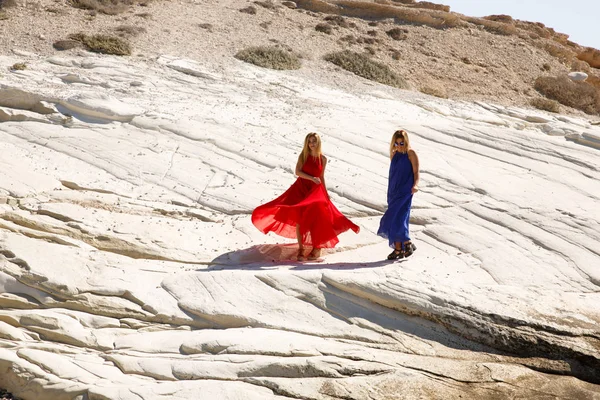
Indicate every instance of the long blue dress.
{"type": "Point", "coordinates": [394, 223]}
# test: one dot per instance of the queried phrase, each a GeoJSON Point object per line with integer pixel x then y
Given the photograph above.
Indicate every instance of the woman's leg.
{"type": "Point", "coordinates": [299, 236]}
{"type": "Point", "coordinates": [300, 246]}
{"type": "Point", "coordinates": [397, 253]}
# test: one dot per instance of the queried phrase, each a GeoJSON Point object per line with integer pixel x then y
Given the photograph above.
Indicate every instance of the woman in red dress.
{"type": "Point", "coordinates": [305, 211]}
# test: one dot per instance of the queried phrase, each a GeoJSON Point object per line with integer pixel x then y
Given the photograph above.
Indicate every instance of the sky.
{"type": "Point", "coordinates": [577, 18]}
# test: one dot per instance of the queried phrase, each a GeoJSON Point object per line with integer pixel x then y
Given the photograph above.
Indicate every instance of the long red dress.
{"type": "Point", "coordinates": [305, 203]}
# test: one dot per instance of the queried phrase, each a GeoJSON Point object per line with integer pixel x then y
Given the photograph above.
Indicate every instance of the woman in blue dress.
{"type": "Point", "coordinates": [402, 184]}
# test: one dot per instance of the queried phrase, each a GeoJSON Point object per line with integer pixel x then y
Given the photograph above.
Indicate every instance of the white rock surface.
{"type": "Point", "coordinates": [129, 267]}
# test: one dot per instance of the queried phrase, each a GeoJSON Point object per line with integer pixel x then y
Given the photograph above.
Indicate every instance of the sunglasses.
{"type": "Point", "coordinates": [399, 144]}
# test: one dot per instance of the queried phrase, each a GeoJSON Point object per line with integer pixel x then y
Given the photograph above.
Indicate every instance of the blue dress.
{"type": "Point", "coordinates": [394, 223]}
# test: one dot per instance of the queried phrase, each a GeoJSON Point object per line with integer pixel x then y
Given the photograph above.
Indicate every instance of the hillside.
{"type": "Point", "coordinates": [437, 52]}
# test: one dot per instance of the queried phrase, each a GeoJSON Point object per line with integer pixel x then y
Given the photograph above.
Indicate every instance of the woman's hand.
{"type": "Point", "coordinates": [316, 179]}
{"type": "Point", "coordinates": [414, 189]}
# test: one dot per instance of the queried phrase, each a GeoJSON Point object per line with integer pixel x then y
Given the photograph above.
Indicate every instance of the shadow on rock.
{"type": "Point", "coordinates": [273, 256]}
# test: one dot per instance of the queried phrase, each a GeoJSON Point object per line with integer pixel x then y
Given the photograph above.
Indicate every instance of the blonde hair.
{"type": "Point", "coordinates": [399, 134]}
{"type": "Point", "coordinates": [306, 150]}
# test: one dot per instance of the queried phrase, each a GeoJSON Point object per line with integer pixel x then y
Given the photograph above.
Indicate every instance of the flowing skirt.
{"type": "Point", "coordinates": [305, 204]}
{"type": "Point", "coordinates": [394, 223]}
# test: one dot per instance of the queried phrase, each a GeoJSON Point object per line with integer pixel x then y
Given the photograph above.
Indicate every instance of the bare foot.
{"type": "Point", "coordinates": [314, 254]}
{"type": "Point", "coordinates": [300, 256]}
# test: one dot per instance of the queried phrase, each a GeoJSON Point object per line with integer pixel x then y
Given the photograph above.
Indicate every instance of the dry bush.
{"type": "Point", "coordinates": [542, 103]}
{"type": "Point", "coordinates": [507, 19]}
{"type": "Point", "coordinates": [108, 7]}
{"type": "Point", "coordinates": [397, 33]}
{"type": "Point", "coordinates": [371, 50]}
{"type": "Point", "coordinates": [129, 30]}
{"type": "Point", "coordinates": [103, 44]}
{"type": "Point", "coordinates": [62, 45]}
{"type": "Point", "coordinates": [145, 15]}
{"type": "Point", "coordinates": [431, 6]}
{"type": "Point", "coordinates": [3, 15]}
{"type": "Point", "coordinates": [579, 95]}
{"type": "Point", "coordinates": [325, 28]}
{"type": "Point", "coordinates": [363, 66]}
{"type": "Point", "coordinates": [368, 40]}
{"type": "Point", "coordinates": [18, 67]}
{"type": "Point", "coordinates": [340, 21]}
{"type": "Point", "coordinates": [208, 27]}
{"type": "Point", "coordinates": [498, 28]}
{"type": "Point", "coordinates": [8, 3]}
{"type": "Point", "coordinates": [249, 10]}
{"type": "Point", "coordinates": [351, 39]}
{"type": "Point", "coordinates": [269, 57]}
{"type": "Point", "coordinates": [546, 67]}
{"type": "Point", "coordinates": [435, 89]}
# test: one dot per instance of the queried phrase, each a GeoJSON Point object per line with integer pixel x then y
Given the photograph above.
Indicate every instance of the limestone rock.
{"type": "Point", "coordinates": [591, 56]}
{"type": "Point", "coordinates": [578, 76]}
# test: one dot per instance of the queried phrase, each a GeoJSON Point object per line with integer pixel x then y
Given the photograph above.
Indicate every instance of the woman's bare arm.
{"type": "Point", "coordinates": [323, 175]}
{"type": "Point", "coordinates": [414, 160]}
{"type": "Point", "coordinates": [304, 175]}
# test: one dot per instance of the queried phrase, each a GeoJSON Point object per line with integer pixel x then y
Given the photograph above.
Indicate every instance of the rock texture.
{"type": "Point", "coordinates": [130, 268]}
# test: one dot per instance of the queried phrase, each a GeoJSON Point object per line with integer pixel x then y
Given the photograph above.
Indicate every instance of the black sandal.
{"type": "Point", "coordinates": [409, 248]}
{"type": "Point", "coordinates": [395, 255]}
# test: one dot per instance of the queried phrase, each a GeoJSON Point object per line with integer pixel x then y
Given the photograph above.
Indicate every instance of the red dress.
{"type": "Point", "coordinates": [305, 203]}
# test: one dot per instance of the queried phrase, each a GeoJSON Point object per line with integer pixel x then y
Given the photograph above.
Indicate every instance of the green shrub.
{"type": "Point", "coordinates": [269, 57]}
{"type": "Point", "coordinates": [579, 95]}
{"type": "Point", "coordinates": [363, 66]}
{"type": "Point", "coordinates": [103, 44]}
